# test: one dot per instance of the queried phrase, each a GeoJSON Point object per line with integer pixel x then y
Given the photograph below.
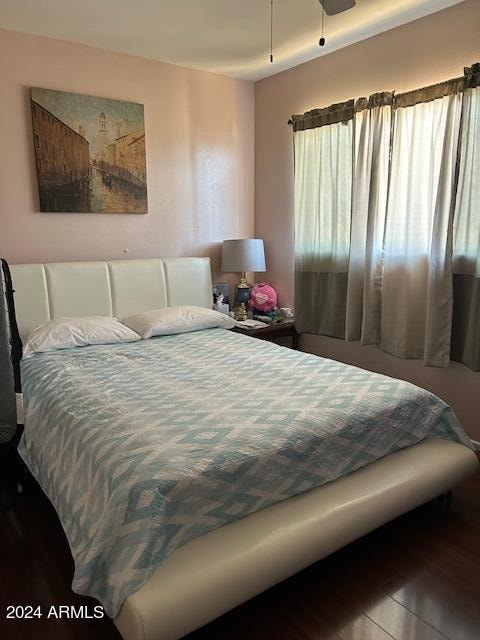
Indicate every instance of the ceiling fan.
{"type": "Point", "coordinates": [332, 7]}
{"type": "Point", "coordinates": [329, 7]}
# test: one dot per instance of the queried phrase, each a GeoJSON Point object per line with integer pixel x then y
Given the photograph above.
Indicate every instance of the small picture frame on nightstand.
{"type": "Point", "coordinates": [221, 289]}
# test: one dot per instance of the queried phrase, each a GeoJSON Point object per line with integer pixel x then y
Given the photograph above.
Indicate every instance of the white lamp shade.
{"type": "Point", "coordinates": [243, 255]}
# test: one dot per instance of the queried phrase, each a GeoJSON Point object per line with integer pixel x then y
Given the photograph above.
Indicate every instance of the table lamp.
{"type": "Point", "coordinates": [239, 256]}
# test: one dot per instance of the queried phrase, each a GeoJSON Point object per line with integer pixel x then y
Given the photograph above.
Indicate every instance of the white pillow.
{"type": "Point", "coordinates": [162, 322]}
{"type": "Point", "coordinates": [65, 333]}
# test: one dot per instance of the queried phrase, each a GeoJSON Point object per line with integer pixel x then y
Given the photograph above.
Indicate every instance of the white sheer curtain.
{"type": "Point", "coordinates": [323, 183]}
{"type": "Point", "coordinates": [372, 125]}
{"type": "Point", "coordinates": [416, 305]}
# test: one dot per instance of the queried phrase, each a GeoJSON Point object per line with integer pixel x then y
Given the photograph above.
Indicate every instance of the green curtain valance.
{"type": "Point", "coordinates": [340, 112]}
{"type": "Point", "coordinates": [382, 99]}
{"type": "Point", "coordinates": [345, 111]}
{"type": "Point", "coordinates": [427, 94]}
{"type": "Point", "coordinates": [472, 76]}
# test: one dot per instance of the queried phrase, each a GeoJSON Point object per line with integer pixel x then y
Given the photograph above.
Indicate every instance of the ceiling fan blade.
{"type": "Point", "coordinates": [333, 7]}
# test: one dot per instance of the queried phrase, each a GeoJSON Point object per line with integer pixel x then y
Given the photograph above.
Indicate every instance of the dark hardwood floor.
{"type": "Point", "coordinates": [416, 578]}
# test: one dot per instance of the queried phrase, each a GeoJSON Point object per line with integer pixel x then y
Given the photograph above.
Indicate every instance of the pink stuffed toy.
{"type": "Point", "coordinates": [263, 298]}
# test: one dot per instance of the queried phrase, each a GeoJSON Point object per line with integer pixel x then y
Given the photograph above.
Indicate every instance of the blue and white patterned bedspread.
{"type": "Point", "coordinates": [142, 447]}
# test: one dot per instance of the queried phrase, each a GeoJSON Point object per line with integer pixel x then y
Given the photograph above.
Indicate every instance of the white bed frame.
{"type": "Point", "coordinates": [225, 567]}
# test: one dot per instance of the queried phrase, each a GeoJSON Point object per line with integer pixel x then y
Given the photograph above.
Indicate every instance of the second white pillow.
{"type": "Point", "coordinates": [180, 319]}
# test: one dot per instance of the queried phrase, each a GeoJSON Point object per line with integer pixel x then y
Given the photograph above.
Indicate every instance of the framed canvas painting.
{"type": "Point", "coordinates": [89, 152]}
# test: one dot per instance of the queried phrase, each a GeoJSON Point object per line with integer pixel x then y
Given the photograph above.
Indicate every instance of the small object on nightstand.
{"type": "Point", "coordinates": [263, 298]}
{"type": "Point", "coordinates": [221, 304]}
{"type": "Point", "coordinates": [241, 312]}
{"type": "Point", "coordinates": [287, 314]}
{"type": "Point", "coordinates": [222, 308]}
{"type": "Point", "coordinates": [251, 324]}
{"type": "Point", "coordinates": [221, 289]}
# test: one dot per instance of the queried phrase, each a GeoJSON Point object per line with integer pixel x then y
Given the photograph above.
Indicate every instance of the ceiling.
{"type": "Point", "coordinates": [230, 37]}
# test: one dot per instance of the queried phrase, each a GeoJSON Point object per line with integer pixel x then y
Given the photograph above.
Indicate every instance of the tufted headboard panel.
{"type": "Point", "coordinates": [119, 288]}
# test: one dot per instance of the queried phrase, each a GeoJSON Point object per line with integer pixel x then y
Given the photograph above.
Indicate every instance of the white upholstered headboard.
{"type": "Point", "coordinates": [119, 288]}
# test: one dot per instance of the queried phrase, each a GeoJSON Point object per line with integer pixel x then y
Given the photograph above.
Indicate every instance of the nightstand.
{"type": "Point", "coordinates": [272, 332]}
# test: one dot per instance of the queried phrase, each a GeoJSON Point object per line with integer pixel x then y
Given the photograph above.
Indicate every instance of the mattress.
{"type": "Point", "coordinates": [144, 447]}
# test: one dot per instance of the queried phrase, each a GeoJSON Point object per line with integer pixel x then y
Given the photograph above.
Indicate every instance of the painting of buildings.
{"type": "Point", "coordinates": [90, 153]}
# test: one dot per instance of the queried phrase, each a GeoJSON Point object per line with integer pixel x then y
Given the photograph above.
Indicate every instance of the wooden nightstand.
{"type": "Point", "coordinates": [272, 332]}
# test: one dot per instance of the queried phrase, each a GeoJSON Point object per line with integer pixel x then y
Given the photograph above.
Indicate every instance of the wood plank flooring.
{"type": "Point", "coordinates": [416, 578]}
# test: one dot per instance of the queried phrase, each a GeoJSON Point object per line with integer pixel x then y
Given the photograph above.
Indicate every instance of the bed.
{"type": "Point", "coordinates": [191, 472]}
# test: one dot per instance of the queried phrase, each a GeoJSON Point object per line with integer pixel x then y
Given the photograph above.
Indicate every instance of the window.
{"type": "Point", "coordinates": [373, 238]}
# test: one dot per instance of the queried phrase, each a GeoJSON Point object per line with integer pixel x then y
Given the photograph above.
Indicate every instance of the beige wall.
{"type": "Point", "coordinates": [200, 155]}
{"type": "Point", "coordinates": [423, 52]}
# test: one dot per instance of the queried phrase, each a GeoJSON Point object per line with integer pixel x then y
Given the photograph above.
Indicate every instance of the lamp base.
{"type": "Point", "coordinates": [241, 312]}
{"type": "Point", "coordinates": [242, 294]}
